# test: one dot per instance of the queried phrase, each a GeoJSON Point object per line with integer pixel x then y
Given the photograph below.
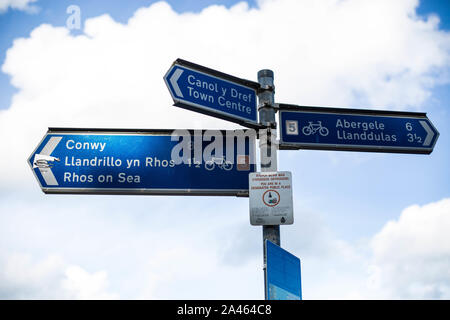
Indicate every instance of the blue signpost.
{"type": "Point", "coordinates": [214, 93]}
{"type": "Point", "coordinates": [355, 130]}
{"type": "Point", "coordinates": [283, 274]}
{"type": "Point", "coordinates": [96, 161]}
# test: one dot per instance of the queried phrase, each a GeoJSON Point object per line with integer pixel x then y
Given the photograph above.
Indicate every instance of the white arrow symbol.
{"type": "Point", "coordinates": [174, 82]}
{"type": "Point", "coordinates": [42, 159]}
{"type": "Point", "coordinates": [430, 133]}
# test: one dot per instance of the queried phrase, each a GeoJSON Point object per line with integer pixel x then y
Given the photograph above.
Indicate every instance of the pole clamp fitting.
{"type": "Point", "coordinates": [265, 104]}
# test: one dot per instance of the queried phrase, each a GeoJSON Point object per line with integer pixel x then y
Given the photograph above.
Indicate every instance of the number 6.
{"type": "Point", "coordinates": [409, 126]}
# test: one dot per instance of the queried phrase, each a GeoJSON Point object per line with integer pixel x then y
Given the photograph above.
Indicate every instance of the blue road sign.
{"type": "Point", "coordinates": [283, 275]}
{"type": "Point", "coordinates": [213, 93]}
{"type": "Point", "coordinates": [113, 161]}
{"type": "Point", "coordinates": [356, 130]}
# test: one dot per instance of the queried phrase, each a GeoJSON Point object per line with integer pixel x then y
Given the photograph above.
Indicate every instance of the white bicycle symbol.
{"type": "Point", "coordinates": [312, 128]}
{"type": "Point", "coordinates": [220, 162]}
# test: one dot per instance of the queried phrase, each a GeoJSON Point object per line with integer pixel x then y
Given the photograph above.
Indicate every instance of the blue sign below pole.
{"type": "Point", "coordinates": [161, 162]}
{"type": "Point", "coordinates": [356, 130]}
{"type": "Point", "coordinates": [283, 274]}
{"type": "Point", "coordinates": [214, 93]}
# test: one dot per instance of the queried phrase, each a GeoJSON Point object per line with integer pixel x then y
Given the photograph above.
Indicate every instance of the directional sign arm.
{"type": "Point", "coordinates": [140, 161]}
{"type": "Point", "coordinates": [342, 129]}
{"type": "Point", "coordinates": [200, 89]}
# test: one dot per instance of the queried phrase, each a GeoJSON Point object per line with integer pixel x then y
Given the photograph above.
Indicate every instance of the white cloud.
{"type": "Point", "coordinates": [412, 254]}
{"type": "Point", "coordinates": [23, 5]}
{"type": "Point", "coordinates": [21, 277]}
{"type": "Point", "coordinates": [331, 267]}
{"type": "Point", "coordinates": [147, 248]}
{"type": "Point", "coordinates": [83, 285]}
{"type": "Point", "coordinates": [409, 258]}
{"type": "Point", "coordinates": [138, 247]}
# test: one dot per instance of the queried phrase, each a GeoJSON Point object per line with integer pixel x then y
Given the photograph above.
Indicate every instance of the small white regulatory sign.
{"type": "Point", "coordinates": [270, 198]}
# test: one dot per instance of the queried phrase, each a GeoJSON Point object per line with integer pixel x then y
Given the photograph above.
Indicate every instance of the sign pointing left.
{"type": "Point", "coordinates": [44, 161]}
{"type": "Point", "coordinates": [212, 92]}
{"type": "Point", "coordinates": [161, 162]}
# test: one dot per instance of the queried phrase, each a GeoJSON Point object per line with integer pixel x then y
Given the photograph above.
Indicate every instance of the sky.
{"type": "Point", "coordinates": [366, 225]}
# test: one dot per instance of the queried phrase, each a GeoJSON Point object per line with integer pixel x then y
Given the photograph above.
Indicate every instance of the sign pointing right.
{"type": "Point", "coordinates": [356, 130]}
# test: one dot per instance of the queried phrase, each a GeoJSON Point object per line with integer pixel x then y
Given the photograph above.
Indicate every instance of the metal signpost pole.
{"type": "Point", "coordinates": [266, 110]}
